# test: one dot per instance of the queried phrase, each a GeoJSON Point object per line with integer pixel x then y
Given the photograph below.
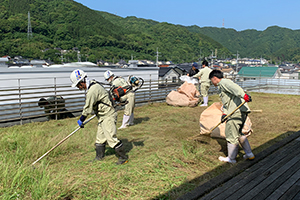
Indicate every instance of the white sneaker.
{"type": "Point", "coordinates": [226, 159]}
{"type": "Point", "coordinates": [249, 156]}
{"type": "Point", "coordinates": [203, 105]}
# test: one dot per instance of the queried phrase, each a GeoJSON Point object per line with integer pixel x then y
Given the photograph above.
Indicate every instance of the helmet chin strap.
{"type": "Point", "coordinates": [110, 79]}
{"type": "Point", "coordinates": [87, 82]}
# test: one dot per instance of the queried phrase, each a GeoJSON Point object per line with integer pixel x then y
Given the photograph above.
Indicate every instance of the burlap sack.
{"type": "Point", "coordinates": [184, 96]}
{"type": "Point", "coordinates": [211, 116]}
{"type": "Point", "coordinates": [189, 90]}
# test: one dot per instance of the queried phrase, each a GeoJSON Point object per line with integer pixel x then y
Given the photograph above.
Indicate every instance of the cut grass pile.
{"type": "Point", "coordinates": [163, 164]}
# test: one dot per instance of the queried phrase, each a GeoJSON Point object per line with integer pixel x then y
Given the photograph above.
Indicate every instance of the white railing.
{"type": "Point", "coordinates": [19, 104]}
{"type": "Point", "coordinates": [275, 85]}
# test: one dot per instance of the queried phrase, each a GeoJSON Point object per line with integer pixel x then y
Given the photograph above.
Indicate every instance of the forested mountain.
{"type": "Point", "coordinates": [67, 24]}
{"type": "Point", "coordinates": [274, 43]}
{"type": "Point", "coordinates": [173, 40]}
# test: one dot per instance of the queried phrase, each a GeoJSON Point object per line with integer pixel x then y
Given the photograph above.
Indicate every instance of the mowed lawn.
{"type": "Point", "coordinates": [163, 164]}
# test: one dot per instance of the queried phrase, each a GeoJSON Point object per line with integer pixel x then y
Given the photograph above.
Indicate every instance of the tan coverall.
{"type": "Point", "coordinates": [232, 96]}
{"type": "Point", "coordinates": [129, 96]}
{"type": "Point", "coordinates": [97, 100]}
{"type": "Point", "coordinates": [128, 116]}
{"type": "Point", "coordinates": [204, 80]}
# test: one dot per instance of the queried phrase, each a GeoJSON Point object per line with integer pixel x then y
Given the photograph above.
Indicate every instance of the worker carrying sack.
{"type": "Point", "coordinates": [186, 95]}
{"type": "Point", "coordinates": [211, 116]}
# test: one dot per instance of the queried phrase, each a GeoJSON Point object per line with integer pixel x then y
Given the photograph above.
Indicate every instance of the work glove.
{"type": "Point", "coordinates": [247, 98]}
{"type": "Point", "coordinates": [80, 123]}
{"type": "Point", "coordinates": [223, 118]}
{"type": "Point", "coordinates": [81, 120]}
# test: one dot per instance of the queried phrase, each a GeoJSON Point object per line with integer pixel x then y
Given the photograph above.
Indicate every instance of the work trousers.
{"type": "Point", "coordinates": [107, 130]}
{"type": "Point", "coordinates": [129, 107]}
{"type": "Point", "coordinates": [234, 127]}
{"type": "Point", "coordinates": [204, 89]}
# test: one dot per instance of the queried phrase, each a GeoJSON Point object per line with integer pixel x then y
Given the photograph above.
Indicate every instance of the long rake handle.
{"type": "Point", "coordinates": [211, 130]}
{"type": "Point", "coordinates": [63, 140]}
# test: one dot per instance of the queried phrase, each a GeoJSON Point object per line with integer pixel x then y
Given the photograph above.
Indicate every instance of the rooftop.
{"type": "Point", "coordinates": [267, 72]}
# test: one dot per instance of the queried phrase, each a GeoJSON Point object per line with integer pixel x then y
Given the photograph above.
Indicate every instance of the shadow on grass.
{"type": "Point", "coordinates": [223, 145]}
{"type": "Point", "coordinates": [198, 187]}
{"type": "Point", "coordinates": [203, 139]}
{"type": "Point", "coordinates": [140, 120]}
{"type": "Point", "coordinates": [128, 145]}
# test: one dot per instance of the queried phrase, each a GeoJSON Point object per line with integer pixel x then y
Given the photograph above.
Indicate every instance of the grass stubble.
{"type": "Point", "coordinates": [163, 164]}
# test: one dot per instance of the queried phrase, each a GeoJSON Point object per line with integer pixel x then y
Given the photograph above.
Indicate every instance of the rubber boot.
{"type": "Point", "coordinates": [124, 122]}
{"type": "Point", "coordinates": [131, 120]}
{"type": "Point", "coordinates": [205, 101]}
{"type": "Point", "coordinates": [232, 153]}
{"type": "Point", "coordinates": [247, 148]}
{"type": "Point", "coordinates": [120, 152]}
{"type": "Point", "coordinates": [100, 151]}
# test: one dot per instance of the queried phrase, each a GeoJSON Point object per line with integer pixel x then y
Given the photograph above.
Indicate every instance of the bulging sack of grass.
{"type": "Point", "coordinates": [186, 95]}
{"type": "Point", "coordinates": [188, 79]}
{"type": "Point", "coordinates": [211, 116]}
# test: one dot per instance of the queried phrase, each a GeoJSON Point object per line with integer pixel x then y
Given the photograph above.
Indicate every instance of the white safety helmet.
{"type": "Point", "coordinates": [108, 74]}
{"type": "Point", "coordinates": [77, 76]}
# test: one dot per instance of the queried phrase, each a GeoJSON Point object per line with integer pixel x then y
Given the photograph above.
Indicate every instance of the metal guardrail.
{"type": "Point", "coordinates": [271, 85]}
{"type": "Point", "coordinates": [20, 105]}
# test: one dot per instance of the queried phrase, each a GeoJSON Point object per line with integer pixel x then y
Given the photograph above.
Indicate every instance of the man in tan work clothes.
{"type": "Point", "coordinates": [232, 95]}
{"type": "Point", "coordinates": [98, 101]}
{"type": "Point", "coordinates": [204, 81]}
{"type": "Point", "coordinates": [116, 81]}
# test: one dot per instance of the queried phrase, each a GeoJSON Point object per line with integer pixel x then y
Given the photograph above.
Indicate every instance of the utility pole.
{"type": "Point", "coordinates": [237, 61]}
{"type": "Point", "coordinates": [212, 59]}
{"type": "Point", "coordinates": [157, 54]}
{"type": "Point", "coordinates": [200, 56]}
{"type": "Point", "coordinates": [29, 29]}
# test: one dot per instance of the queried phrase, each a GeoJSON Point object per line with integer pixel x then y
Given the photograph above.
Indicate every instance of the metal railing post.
{"type": "Point", "coordinates": [278, 84]}
{"type": "Point", "coordinates": [20, 103]}
{"type": "Point", "coordinates": [150, 99]}
{"type": "Point", "coordinates": [55, 98]}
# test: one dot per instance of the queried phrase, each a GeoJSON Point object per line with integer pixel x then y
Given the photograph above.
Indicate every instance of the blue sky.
{"type": "Point", "coordinates": [237, 14]}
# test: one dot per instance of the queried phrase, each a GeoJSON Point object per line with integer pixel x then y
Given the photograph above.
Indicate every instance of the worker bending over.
{"type": "Point", "coordinates": [232, 95]}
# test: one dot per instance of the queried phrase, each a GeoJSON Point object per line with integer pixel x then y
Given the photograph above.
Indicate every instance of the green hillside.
{"type": "Point", "coordinates": [55, 24]}
{"type": "Point", "coordinates": [66, 24]}
{"type": "Point", "coordinates": [173, 40]}
{"type": "Point", "coordinates": [274, 43]}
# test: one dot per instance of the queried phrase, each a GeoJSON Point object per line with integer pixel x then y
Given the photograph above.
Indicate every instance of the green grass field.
{"type": "Point", "coordinates": [163, 164]}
